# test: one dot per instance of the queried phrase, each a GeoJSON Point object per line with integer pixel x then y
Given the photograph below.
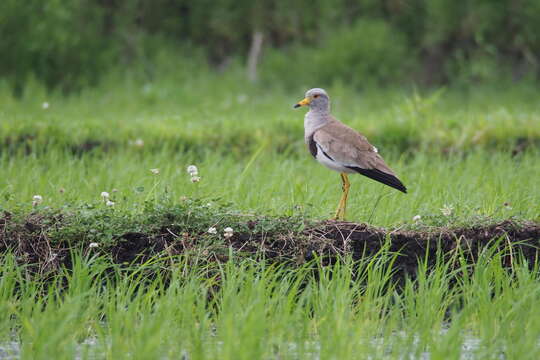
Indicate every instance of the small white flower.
{"type": "Point", "coordinates": [45, 105]}
{"type": "Point", "coordinates": [446, 210]}
{"type": "Point", "coordinates": [375, 149]}
{"type": "Point", "coordinates": [104, 195]}
{"type": "Point", "coordinates": [93, 245]}
{"type": "Point", "coordinates": [192, 170]}
{"type": "Point", "coordinates": [228, 232]}
{"type": "Point", "coordinates": [195, 179]}
{"type": "Point", "coordinates": [212, 230]}
{"type": "Point", "coordinates": [109, 203]}
{"type": "Point", "coordinates": [416, 218]}
{"type": "Point", "coordinates": [36, 200]}
{"type": "Point", "coordinates": [138, 143]}
{"type": "Point", "coordinates": [154, 171]}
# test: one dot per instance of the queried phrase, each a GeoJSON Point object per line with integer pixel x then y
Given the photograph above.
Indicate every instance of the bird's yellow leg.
{"type": "Point", "coordinates": [342, 206]}
{"type": "Point", "coordinates": [346, 186]}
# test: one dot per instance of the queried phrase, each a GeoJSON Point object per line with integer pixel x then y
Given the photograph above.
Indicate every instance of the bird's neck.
{"type": "Point", "coordinates": [314, 120]}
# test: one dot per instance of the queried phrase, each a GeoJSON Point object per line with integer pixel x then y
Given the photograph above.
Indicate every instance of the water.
{"type": "Point", "coordinates": [12, 350]}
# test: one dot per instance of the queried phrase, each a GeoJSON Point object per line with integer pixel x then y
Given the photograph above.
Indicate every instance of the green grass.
{"type": "Point", "coordinates": [247, 310]}
{"type": "Point", "coordinates": [450, 147]}
{"type": "Point", "coordinates": [478, 184]}
{"type": "Point", "coordinates": [471, 151]}
{"type": "Point", "coordinates": [228, 116]}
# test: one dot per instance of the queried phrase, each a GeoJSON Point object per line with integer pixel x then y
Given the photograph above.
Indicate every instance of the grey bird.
{"type": "Point", "coordinates": [341, 148]}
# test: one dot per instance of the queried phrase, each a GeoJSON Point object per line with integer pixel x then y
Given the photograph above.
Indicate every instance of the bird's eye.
{"type": "Point", "coordinates": [315, 96]}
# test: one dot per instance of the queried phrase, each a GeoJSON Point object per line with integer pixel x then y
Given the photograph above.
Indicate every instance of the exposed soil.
{"type": "Point", "coordinates": [328, 240]}
{"type": "Point", "coordinates": [513, 238]}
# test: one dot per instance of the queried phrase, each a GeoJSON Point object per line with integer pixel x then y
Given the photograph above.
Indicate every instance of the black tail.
{"type": "Point", "coordinates": [381, 177]}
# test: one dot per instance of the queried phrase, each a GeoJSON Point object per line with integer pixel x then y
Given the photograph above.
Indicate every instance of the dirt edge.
{"type": "Point", "coordinates": [328, 240]}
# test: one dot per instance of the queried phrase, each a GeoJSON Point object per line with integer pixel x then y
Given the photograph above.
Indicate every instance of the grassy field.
{"type": "Point", "coordinates": [247, 310]}
{"type": "Point", "coordinates": [467, 155]}
{"type": "Point", "coordinates": [475, 150]}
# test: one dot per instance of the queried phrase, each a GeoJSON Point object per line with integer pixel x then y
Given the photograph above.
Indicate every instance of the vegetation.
{"type": "Point", "coordinates": [477, 154]}
{"type": "Point", "coordinates": [110, 248]}
{"type": "Point", "coordinates": [70, 45]}
{"type": "Point", "coordinates": [245, 309]}
{"type": "Point", "coordinates": [145, 277]}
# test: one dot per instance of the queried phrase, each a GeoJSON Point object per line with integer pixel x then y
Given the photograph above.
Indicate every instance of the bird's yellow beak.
{"type": "Point", "coordinates": [304, 102]}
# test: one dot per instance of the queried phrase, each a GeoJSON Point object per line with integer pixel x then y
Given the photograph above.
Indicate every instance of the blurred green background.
{"type": "Point", "coordinates": [70, 44]}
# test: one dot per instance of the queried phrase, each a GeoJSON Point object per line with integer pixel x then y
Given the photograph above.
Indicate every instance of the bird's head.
{"type": "Point", "coordinates": [317, 99]}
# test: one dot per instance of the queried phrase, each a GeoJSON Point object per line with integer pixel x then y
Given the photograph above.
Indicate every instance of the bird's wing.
{"type": "Point", "coordinates": [348, 147]}
{"type": "Point", "coordinates": [351, 149]}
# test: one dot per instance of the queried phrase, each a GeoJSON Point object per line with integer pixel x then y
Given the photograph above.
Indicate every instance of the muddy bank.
{"type": "Point", "coordinates": [35, 240]}
{"type": "Point", "coordinates": [331, 239]}
{"type": "Point", "coordinates": [514, 239]}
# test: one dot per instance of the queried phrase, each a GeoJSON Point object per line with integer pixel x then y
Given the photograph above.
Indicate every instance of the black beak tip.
{"type": "Point", "coordinates": [295, 106]}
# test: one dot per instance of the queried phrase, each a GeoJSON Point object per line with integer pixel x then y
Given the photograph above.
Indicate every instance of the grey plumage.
{"type": "Point", "coordinates": [340, 147]}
